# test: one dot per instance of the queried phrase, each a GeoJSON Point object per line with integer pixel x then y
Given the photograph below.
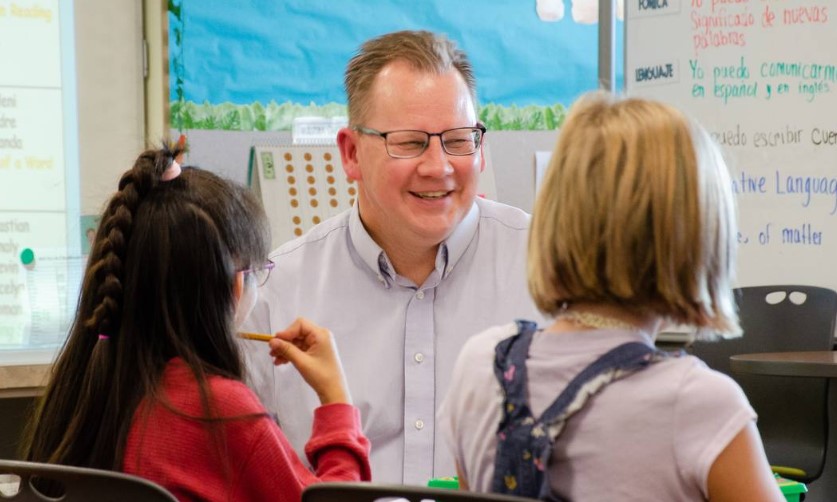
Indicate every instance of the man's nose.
{"type": "Point", "coordinates": [434, 160]}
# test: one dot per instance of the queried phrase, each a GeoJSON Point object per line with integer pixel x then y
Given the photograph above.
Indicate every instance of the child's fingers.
{"type": "Point", "coordinates": [299, 331]}
{"type": "Point", "coordinates": [284, 352]}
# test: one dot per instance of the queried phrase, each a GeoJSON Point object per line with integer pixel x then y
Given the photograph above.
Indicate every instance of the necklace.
{"type": "Point", "coordinates": [591, 320]}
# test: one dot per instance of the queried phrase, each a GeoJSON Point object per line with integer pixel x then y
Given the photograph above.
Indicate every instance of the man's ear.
{"type": "Point", "coordinates": [347, 142]}
{"type": "Point", "coordinates": [482, 155]}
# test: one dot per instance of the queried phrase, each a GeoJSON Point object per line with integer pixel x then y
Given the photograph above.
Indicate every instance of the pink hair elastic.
{"type": "Point", "coordinates": [172, 172]}
{"type": "Point", "coordinates": [102, 336]}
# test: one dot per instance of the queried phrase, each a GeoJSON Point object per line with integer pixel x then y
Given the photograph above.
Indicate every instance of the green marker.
{"type": "Point", "coordinates": [447, 482]}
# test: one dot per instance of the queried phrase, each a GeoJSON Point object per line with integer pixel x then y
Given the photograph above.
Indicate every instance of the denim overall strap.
{"type": "Point", "coordinates": [524, 443]}
{"type": "Point", "coordinates": [508, 355]}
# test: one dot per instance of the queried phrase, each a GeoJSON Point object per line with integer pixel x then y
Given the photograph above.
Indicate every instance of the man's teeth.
{"type": "Point", "coordinates": [431, 195]}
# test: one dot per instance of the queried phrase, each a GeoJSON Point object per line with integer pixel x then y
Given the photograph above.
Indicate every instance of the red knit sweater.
{"type": "Point", "coordinates": [180, 453]}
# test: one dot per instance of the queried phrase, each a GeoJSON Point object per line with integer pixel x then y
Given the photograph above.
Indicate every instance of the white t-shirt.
{"type": "Point", "coordinates": [650, 436]}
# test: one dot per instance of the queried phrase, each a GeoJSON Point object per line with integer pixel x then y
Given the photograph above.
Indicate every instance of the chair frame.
{"type": "Point", "coordinates": [370, 492]}
{"type": "Point", "coordinates": [82, 484]}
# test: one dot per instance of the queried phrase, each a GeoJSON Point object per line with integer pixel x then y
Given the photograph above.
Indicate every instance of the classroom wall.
{"type": "Point", "coordinates": [111, 98]}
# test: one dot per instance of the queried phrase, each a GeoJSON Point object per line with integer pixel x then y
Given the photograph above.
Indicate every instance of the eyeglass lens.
{"type": "Point", "coordinates": [260, 274]}
{"type": "Point", "coordinates": [463, 141]}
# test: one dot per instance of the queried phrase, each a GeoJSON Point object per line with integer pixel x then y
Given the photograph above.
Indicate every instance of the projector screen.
{"type": "Point", "coordinates": [40, 239]}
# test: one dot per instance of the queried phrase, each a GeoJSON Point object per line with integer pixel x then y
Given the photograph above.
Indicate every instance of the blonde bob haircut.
{"type": "Point", "coordinates": [636, 209]}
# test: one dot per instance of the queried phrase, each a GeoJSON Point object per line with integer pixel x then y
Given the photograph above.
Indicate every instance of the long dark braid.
{"type": "Point", "coordinates": [115, 230]}
{"type": "Point", "coordinates": [67, 418]}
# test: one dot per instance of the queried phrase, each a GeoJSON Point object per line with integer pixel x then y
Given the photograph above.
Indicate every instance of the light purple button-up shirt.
{"type": "Point", "coordinates": [398, 341]}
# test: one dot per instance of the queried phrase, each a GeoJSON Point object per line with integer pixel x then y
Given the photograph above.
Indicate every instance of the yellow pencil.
{"type": "Point", "coordinates": [256, 336]}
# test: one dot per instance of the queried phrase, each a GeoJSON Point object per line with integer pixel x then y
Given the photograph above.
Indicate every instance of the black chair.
{"type": "Point", "coordinates": [76, 484]}
{"type": "Point", "coordinates": [792, 411]}
{"type": "Point", "coordinates": [14, 413]}
{"type": "Point", "coordinates": [371, 492]}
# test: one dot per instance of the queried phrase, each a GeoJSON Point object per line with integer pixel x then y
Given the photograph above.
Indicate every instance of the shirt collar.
{"type": "Point", "coordinates": [369, 251]}
{"type": "Point", "coordinates": [460, 239]}
{"type": "Point", "coordinates": [450, 251]}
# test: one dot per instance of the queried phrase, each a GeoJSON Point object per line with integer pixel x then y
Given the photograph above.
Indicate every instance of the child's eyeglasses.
{"type": "Point", "coordinates": [260, 274]}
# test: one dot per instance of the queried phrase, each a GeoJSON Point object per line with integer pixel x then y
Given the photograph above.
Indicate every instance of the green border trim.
{"type": "Point", "coordinates": [186, 115]}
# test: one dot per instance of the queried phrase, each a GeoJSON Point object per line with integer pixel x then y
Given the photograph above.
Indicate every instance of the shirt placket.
{"type": "Point", "coordinates": [419, 388]}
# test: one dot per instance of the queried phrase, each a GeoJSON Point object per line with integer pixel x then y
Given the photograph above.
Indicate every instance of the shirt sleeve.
{"type": "Point", "coordinates": [711, 410]}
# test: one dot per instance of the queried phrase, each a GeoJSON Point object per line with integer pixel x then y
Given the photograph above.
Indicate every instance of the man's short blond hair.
{"type": "Point", "coordinates": [636, 209]}
{"type": "Point", "coordinates": [424, 50]}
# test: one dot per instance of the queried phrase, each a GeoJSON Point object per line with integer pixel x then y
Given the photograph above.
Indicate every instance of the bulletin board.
{"type": "Point", "coordinates": [302, 51]}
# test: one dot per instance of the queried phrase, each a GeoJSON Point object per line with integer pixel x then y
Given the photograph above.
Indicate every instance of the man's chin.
{"type": "Point", "coordinates": [436, 231]}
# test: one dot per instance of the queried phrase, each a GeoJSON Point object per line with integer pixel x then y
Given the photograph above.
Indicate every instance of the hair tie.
{"type": "Point", "coordinates": [172, 172]}
{"type": "Point", "coordinates": [102, 336]}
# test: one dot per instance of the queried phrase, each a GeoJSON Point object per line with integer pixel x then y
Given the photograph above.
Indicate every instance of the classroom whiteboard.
{"type": "Point", "coordinates": [71, 121]}
{"type": "Point", "coordinates": [761, 75]}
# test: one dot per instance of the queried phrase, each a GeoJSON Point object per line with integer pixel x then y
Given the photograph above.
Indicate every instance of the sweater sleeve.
{"type": "Point", "coordinates": [338, 450]}
{"type": "Point", "coordinates": [270, 469]}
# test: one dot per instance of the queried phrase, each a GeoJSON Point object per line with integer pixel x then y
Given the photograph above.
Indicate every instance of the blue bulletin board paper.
{"type": "Point", "coordinates": [257, 54]}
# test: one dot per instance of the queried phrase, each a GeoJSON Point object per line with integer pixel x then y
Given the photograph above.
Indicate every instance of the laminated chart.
{"type": "Point", "coordinates": [300, 186]}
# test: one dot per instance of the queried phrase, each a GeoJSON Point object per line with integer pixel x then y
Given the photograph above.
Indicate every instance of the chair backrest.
{"type": "Point", "coordinates": [15, 412]}
{"type": "Point", "coordinates": [370, 492]}
{"type": "Point", "coordinates": [76, 484]}
{"type": "Point", "coordinates": [793, 412]}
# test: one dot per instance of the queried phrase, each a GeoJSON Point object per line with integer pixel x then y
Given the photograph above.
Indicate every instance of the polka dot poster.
{"type": "Point", "coordinates": [300, 186]}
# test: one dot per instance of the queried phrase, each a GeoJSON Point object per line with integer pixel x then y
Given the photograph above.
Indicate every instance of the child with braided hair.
{"type": "Point", "coordinates": [150, 380]}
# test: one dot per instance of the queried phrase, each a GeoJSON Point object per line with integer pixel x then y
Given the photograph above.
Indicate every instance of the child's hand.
{"type": "Point", "coordinates": [311, 350]}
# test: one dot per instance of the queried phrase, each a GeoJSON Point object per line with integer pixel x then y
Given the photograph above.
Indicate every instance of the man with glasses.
{"type": "Point", "coordinates": [413, 269]}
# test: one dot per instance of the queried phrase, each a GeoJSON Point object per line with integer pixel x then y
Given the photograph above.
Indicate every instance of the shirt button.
{"type": "Point", "coordinates": [419, 424]}
{"type": "Point", "coordinates": [420, 295]}
{"type": "Point", "coordinates": [419, 357]}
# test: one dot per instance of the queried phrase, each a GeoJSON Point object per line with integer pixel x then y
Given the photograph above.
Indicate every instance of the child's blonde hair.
{"type": "Point", "coordinates": [636, 209]}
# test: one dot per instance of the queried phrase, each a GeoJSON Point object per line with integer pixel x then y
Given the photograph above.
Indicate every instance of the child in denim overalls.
{"type": "Point", "coordinates": [634, 227]}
